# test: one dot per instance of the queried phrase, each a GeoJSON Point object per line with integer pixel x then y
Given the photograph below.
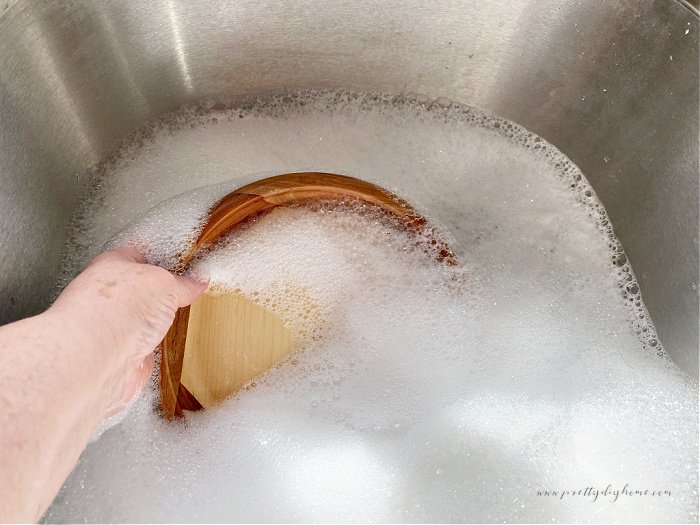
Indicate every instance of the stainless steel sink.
{"type": "Point", "coordinates": [612, 83]}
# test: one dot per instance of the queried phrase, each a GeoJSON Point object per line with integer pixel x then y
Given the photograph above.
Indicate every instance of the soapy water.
{"type": "Point", "coordinates": [419, 391]}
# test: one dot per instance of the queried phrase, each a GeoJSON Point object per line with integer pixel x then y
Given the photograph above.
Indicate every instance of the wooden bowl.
{"type": "Point", "coordinates": [252, 200]}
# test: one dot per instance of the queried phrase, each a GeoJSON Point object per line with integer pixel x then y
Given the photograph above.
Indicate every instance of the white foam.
{"type": "Point", "coordinates": [423, 392]}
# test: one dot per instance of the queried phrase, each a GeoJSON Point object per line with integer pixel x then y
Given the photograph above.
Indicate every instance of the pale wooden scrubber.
{"type": "Point", "coordinates": [230, 340]}
{"type": "Point", "coordinates": [221, 342]}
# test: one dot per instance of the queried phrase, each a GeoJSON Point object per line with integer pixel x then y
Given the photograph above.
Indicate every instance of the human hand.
{"type": "Point", "coordinates": [124, 307]}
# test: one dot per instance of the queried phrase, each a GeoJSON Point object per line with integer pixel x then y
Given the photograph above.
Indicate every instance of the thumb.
{"type": "Point", "coordinates": [188, 289]}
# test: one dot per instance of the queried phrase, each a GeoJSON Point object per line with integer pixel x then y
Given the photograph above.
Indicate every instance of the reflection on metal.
{"type": "Point", "coordinates": [179, 45]}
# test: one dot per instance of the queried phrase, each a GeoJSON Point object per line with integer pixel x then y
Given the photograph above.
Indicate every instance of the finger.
{"type": "Point", "coordinates": [130, 253]}
{"type": "Point", "coordinates": [188, 289]}
{"type": "Point", "coordinates": [123, 253]}
{"type": "Point", "coordinates": [142, 378]}
{"type": "Point", "coordinates": [147, 370]}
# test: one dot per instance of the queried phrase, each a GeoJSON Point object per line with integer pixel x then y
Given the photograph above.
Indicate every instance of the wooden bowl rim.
{"type": "Point", "coordinates": [259, 197]}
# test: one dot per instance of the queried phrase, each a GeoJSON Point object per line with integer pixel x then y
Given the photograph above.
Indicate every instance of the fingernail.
{"type": "Point", "coordinates": [201, 279]}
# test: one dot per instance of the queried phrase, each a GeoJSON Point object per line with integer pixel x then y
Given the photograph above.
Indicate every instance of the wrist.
{"type": "Point", "coordinates": [85, 352]}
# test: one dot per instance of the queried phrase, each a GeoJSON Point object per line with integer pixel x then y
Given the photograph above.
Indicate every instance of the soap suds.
{"type": "Point", "coordinates": [420, 391]}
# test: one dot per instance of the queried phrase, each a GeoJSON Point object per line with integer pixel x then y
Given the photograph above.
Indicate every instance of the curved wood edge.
{"type": "Point", "coordinates": [171, 359]}
{"type": "Point", "coordinates": [255, 199]}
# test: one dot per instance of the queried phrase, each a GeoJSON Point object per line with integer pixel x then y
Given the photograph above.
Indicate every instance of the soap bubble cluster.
{"type": "Point", "coordinates": [418, 391]}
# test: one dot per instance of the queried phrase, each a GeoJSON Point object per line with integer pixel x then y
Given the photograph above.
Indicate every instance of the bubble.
{"type": "Point", "coordinates": [417, 391]}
